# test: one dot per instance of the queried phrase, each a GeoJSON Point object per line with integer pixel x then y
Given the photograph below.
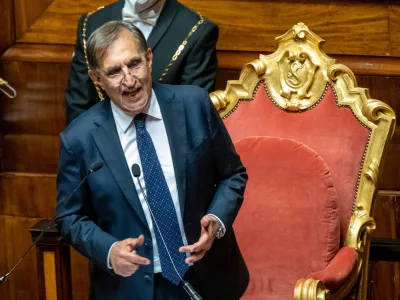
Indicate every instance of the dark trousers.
{"type": "Point", "coordinates": [165, 290]}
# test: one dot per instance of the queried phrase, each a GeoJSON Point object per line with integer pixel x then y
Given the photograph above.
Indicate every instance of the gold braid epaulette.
{"type": "Point", "coordinates": [181, 47]}
{"type": "Point", "coordinates": [84, 47]}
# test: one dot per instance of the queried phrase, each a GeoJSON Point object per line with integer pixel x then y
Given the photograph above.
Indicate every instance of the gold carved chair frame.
{"type": "Point", "coordinates": [296, 76]}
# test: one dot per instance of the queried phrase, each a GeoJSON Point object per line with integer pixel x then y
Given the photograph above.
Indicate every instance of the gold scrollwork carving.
{"type": "Point", "coordinates": [299, 30]}
{"type": "Point", "coordinates": [259, 66]}
{"type": "Point", "coordinates": [373, 171]}
{"type": "Point", "coordinates": [336, 69]}
{"type": "Point", "coordinates": [310, 289]}
{"type": "Point", "coordinates": [372, 109]}
{"type": "Point", "coordinates": [360, 224]}
{"type": "Point", "coordinates": [219, 99]}
{"type": "Point", "coordinates": [297, 73]}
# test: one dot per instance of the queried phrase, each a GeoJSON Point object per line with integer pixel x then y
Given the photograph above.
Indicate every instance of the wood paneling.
{"type": "Point", "coordinates": [28, 195]}
{"type": "Point", "coordinates": [80, 276]}
{"type": "Point", "coordinates": [14, 242]}
{"type": "Point", "coordinates": [356, 27]}
{"type": "Point", "coordinates": [349, 27]}
{"type": "Point", "coordinates": [30, 153]}
{"type": "Point", "coordinates": [394, 26]}
{"type": "Point", "coordinates": [39, 106]}
{"type": "Point", "coordinates": [26, 13]}
{"type": "Point", "coordinates": [7, 28]}
{"type": "Point", "coordinates": [57, 25]}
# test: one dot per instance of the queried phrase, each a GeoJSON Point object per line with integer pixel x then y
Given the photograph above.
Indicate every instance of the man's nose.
{"type": "Point", "coordinates": [129, 80]}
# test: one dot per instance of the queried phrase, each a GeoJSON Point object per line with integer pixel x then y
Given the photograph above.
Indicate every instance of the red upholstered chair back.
{"type": "Point", "coordinates": [276, 218]}
{"type": "Point", "coordinates": [329, 129]}
{"type": "Point", "coordinates": [301, 94]}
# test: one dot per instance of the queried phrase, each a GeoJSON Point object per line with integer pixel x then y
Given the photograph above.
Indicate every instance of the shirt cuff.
{"type": "Point", "coordinates": [220, 223]}
{"type": "Point", "coordinates": [108, 257]}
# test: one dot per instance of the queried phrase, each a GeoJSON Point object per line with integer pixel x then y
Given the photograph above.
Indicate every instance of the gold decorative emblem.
{"type": "Point", "coordinates": [297, 72]}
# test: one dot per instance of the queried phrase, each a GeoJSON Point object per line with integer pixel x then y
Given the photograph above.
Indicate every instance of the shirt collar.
{"type": "Point", "coordinates": [124, 120]}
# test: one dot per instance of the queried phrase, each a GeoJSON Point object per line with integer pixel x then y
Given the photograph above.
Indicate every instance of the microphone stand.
{"type": "Point", "coordinates": [186, 285]}
{"type": "Point", "coordinates": [93, 168]}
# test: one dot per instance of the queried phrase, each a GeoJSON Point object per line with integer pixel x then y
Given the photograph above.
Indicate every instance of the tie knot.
{"type": "Point", "coordinates": [140, 120]}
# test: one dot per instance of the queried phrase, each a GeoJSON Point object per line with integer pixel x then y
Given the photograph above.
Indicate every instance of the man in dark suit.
{"type": "Point", "coordinates": [142, 247]}
{"type": "Point", "coordinates": [182, 41]}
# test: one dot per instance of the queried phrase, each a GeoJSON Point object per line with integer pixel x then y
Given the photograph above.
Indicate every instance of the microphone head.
{"type": "Point", "coordinates": [97, 165]}
{"type": "Point", "coordinates": [136, 170]}
{"type": "Point", "coordinates": [3, 279]}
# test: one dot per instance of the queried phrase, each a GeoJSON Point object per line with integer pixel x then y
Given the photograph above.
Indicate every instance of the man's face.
{"type": "Point", "coordinates": [125, 74]}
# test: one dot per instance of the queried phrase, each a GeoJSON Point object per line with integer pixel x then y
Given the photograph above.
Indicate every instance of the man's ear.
{"type": "Point", "coordinates": [95, 78]}
{"type": "Point", "coordinates": [149, 58]}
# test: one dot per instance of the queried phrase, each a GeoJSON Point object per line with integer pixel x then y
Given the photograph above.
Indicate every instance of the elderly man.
{"type": "Point", "coordinates": [144, 234]}
{"type": "Point", "coordinates": [182, 41]}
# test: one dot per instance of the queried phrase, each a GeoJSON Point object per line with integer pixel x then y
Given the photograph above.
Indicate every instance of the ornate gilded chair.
{"type": "Point", "coordinates": [313, 144]}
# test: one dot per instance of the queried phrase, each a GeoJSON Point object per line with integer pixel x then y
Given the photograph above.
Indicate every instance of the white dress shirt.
{"type": "Point", "coordinates": [127, 136]}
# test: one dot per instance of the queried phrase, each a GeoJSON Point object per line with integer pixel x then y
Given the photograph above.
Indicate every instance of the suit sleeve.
{"type": "Point", "coordinates": [231, 176]}
{"type": "Point", "coordinates": [75, 221]}
{"type": "Point", "coordinates": [77, 93]}
{"type": "Point", "coordinates": [201, 64]}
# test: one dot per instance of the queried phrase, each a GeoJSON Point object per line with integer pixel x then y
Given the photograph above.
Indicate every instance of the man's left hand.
{"type": "Point", "coordinates": [209, 229]}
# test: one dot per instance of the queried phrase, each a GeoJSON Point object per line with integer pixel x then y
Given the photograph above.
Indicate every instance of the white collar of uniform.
{"type": "Point", "coordinates": [146, 11]}
{"type": "Point", "coordinates": [124, 120]}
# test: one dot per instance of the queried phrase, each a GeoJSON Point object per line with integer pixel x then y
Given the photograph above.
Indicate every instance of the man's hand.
{"type": "Point", "coordinates": [209, 229]}
{"type": "Point", "coordinates": [123, 257]}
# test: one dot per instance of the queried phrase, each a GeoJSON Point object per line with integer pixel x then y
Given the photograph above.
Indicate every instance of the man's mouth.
{"type": "Point", "coordinates": [132, 92]}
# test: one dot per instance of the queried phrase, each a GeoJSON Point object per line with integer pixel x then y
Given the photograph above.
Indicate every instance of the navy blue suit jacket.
{"type": "Point", "coordinates": [210, 179]}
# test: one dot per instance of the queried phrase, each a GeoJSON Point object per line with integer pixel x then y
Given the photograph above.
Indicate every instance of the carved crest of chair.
{"type": "Point", "coordinates": [313, 144]}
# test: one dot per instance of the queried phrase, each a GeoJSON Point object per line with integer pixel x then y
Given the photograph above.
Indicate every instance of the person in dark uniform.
{"type": "Point", "coordinates": [183, 44]}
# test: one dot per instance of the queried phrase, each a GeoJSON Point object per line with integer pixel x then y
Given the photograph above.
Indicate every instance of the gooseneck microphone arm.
{"type": "Point", "coordinates": [97, 165]}
{"type": "Point", "coordinates": [186, 285]}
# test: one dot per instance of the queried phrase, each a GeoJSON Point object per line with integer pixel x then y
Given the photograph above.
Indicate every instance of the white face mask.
{"type": "Point", "coordinates": [146, 11]}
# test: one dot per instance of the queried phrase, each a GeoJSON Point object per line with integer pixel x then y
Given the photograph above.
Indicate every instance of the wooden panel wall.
{"type": "Point", "coordinates": [365, 35]}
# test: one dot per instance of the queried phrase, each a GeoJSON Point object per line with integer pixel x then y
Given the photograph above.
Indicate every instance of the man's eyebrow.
{"type": "Point", "coordinates": [135, 59]}
{"type": "Point", "coordinates": [112, 69]}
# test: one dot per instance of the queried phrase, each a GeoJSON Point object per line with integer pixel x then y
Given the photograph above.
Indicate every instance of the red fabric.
{"type": "Point", "coordinates": [338, 270]}
{"type": "Point", "coordinates": [332, 131]}
{"type": "Point", "coordinates": [288, 226]}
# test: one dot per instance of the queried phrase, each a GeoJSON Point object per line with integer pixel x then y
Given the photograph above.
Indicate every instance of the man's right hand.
{"type": "Point", "coordinates": [123, 257]}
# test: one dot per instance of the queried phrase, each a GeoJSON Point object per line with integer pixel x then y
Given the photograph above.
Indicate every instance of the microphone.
{"type": "Point", "coordinates": [97, 165]}
{"type": "Point", "coordinates": [186, 285]}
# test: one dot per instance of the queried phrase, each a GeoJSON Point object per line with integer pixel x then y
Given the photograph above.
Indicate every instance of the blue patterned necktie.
{"type": "Point", "coordinates": [161, 205]}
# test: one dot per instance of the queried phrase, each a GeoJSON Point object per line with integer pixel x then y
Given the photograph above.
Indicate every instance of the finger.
{"type": "Point", "coordinates": [205, 221]}
{"type": "Point", "coordinates": [195, 257]}
{"type": "Point", "coordinates": [134, 243]}
{"type": "Point", "coordinates": [202, 244]}
{"type": "Point", "coordinates": [134, 258]}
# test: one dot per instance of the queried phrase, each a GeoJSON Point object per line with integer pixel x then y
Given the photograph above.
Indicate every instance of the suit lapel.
{"type": "Point", "coordinates": [109, 145]}
{"type": "Point", "coordinates": [173, 114]}
{"type": "Point", "coordinates": [164, 21]}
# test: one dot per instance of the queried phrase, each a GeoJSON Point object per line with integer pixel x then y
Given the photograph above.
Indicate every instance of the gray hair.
{"type": "Point", "coordinates": [103, 37]}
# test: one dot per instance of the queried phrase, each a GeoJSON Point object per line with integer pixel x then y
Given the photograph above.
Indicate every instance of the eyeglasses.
{"type": "Point", "coordinates": [117, 77]}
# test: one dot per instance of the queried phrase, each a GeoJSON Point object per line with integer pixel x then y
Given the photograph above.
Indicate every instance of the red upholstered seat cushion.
{"type": "Point", "coordinates": [289, 224]}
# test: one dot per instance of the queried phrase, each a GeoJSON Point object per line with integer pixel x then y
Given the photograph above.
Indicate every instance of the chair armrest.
{"type": "Point", "coordinates": [338, 270]}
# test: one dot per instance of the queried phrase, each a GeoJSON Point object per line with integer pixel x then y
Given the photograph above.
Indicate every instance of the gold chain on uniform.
{"type": "Point", "coordinates": [84, 47]}
{"type": "Point", "coordinates": [2, 81]}
{"type": "Point", "coordinates": [181, 47]}
{"type": "Point", "coordinates": [174, 57]}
